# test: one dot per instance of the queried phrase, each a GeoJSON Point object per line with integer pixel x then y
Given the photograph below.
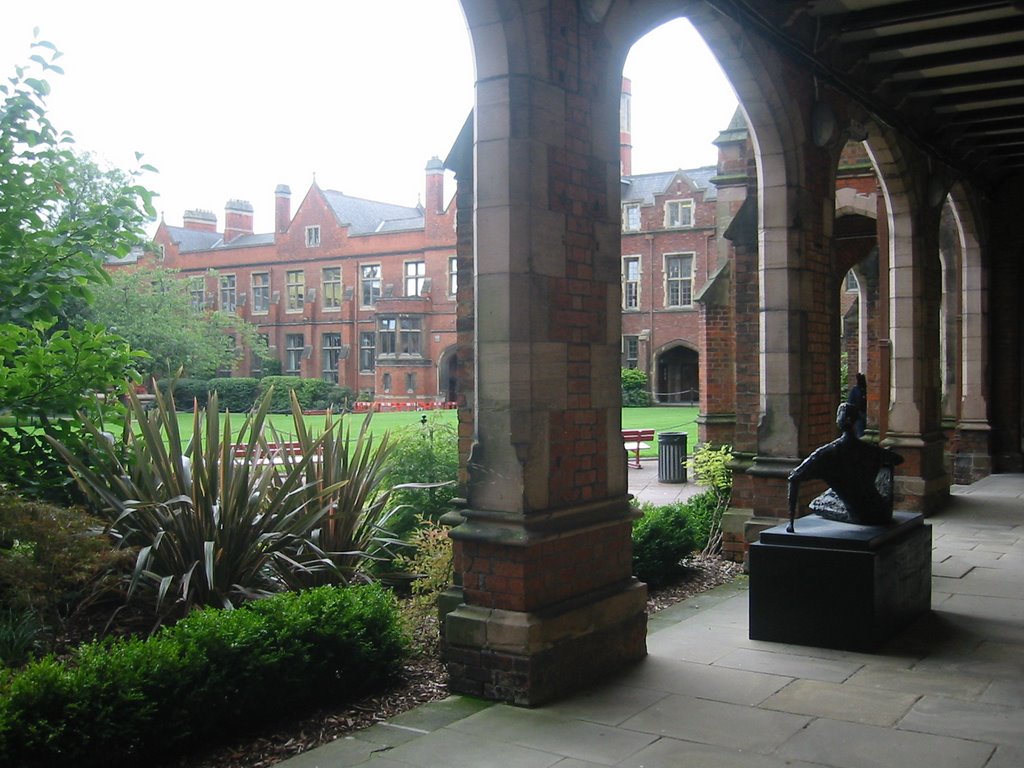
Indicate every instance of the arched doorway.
{"type": "Point", "coordinates": [678, 375]}
{"type": "Point", "coordinates": [447, 367]}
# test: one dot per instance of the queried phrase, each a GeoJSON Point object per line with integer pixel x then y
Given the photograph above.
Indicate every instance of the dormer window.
{"type": "Point", "coordinates": [313, 236]}
{"type": "Point", "coordinates": [678, 213]}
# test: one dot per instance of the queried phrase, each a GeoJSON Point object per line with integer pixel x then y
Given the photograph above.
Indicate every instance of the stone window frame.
{"type": "Point", "coordinates": [313, 236]}
{"type": "Point", "coordinates": [453, 275]}
{"type": "Point", "coordinates": [414, 283]}
{"type": "Point", "coordinates": [197, 292]}
{"type": "Point", "coordinates": [294, 349]}
{"type": "Point", "coordinates": [631, 286]}
{"type": "Point", "coordinates": [367, 281]}
{"type": "Point", "coordinates": [295, 291]}
{"type": "Point", "coordinates": [630, 351]}
{"type": "Point", "coordinates": [331, 290]}
{"type": "Point", "coordinates": [260, 304]}
{"type": "Point", "coordinates": [680, 204]}
{"type": "Point", "coordinates": [227, 292]}
{"type": "Point", "coordinates": [367, 351]}
{"type": "Point", "coordinates": [685, 282]}
{"type": "Point", "coordinates": [628, 225]}
{"type": "Point", "coordinates": [330, 355]}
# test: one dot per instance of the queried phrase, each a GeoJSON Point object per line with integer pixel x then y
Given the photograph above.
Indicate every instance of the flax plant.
{"type": "Point", "coordinates": [215, 523]}
{"type": "Point", "coordinates": [347, 478]}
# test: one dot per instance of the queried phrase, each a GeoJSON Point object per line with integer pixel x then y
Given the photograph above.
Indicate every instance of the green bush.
{"type": "Point", "coordinates": [51, 557]}
{"type": "Point", "coordinates": [29, 463]}
{"type": "Point", "coordinates": [187, 392]}
{"type": "Point", "coordinates": [131, 701]}
{"type": "Point", "coordinates": [634, 389]}
{"type": "Point", "coordinates": [237, 395]}
{"type": "Point", "coordinates": [662, 537]}
{"type": "Point", "coordinates": [312, 394]}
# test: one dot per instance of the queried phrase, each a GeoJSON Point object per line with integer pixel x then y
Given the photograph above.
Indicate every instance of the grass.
{"type": "Point", "coordinates": [663, 419]}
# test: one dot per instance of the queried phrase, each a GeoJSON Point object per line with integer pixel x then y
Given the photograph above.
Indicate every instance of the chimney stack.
{"type": "Point", "coordinates": [200, 220]}
{"type": "Point", "coordinates": [237, 219]}
{"type": "Point", "coordinates": [625, 128]}
{"type": "Point", "coordinates": [282, 208]}
{"type": "Point", "coordinates": [435, 185]}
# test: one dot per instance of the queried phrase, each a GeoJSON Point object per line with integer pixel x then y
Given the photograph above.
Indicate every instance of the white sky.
{"type": "Point", "coordinates": [229, 98]}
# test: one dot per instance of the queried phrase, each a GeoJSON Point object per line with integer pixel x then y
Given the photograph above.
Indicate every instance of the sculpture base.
{"type": "Point", "coordinates": [839, 585]}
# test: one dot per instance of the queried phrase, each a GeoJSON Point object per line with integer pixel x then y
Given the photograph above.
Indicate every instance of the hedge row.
{"type": "Point", "coordinates": [131, 701]}
{"type": "Point", "coordinates": [239, 394]}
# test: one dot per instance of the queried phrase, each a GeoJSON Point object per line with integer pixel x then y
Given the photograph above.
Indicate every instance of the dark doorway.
{"type": "Point", "coordinates": [678, 371]}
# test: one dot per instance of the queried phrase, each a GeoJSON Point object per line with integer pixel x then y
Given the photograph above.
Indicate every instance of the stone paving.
{"type": "Point", "coordinates": [947, 693]}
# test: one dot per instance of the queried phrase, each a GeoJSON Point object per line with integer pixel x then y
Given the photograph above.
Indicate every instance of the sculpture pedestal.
{"type": "Point", "coordinates": [839, 585]}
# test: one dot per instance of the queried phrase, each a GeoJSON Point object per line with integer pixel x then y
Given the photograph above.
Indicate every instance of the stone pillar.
{"type": "Point", "coordinates": [548, 598]}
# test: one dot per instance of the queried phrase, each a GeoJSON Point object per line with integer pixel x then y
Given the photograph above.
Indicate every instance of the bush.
{"type": "Point", "coordinates": [634, 389]}
{"type": "Point", "coordinates": [312, 394]}
{"type": "Point", "coordinates": [661, 539]}
{"type": "Point", "coordinates": [712, 467]}
{"type": "Point", "coordinates": [187, 393]}
{"type": "Point", "coordinates": [51, 558]}
{"type": "Point", "coordinates": [29, 463]}
{"type": "Point", "coordinates": [130, 701]}
{"type": "Point", "coordinates": [237, 395]}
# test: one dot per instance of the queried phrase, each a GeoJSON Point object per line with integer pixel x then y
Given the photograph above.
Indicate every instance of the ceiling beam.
{"type": "Point", "coordinates": [908, 13]}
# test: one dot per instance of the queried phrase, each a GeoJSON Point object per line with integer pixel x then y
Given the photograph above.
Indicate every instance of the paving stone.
{"type": "Point", "coordinates": [706, 682]}
{"type": "Point", "coordinates": [992, 723]}
{"type": "Point", "coordinates": [790, 664]}
{"type": "Point", "coordinates": [713, 722]}
{"type": "Point", "coordinates": [610, 704]}
{"type": "Point", "coordinates": [452, 749]}
{"type": "Point", "coordinates": [841, 701]}
{"type": "Point", "coordinates": [920, 681]}
{"type": "Point", "coordinates": [1006, 757]}
{"type": "Point", "coordinates": [437, 714]}
{"type": "Point", "coordinates": [951, 568]}
{"type": "Point", "coordinates": [674, 753]}
{"type": "Point", "coordinates": [1007, 692]}
{"type": "Point", "coordinates": [541, 729]}
{"type": "Point", "coordinates": [852, 745]}
{"type": "Point", "coordinates": [340, 753]}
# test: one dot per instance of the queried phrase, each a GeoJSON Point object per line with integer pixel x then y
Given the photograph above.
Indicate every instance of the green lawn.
{"type": "Point", "coordinates": [663, 419]}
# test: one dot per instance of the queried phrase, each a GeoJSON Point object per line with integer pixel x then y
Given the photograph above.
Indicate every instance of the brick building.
{"type": "Point", "coordinates": [355, 291]}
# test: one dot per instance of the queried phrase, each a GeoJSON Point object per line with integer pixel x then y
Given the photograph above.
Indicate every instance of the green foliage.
{"type": "Point", "coordinates": [60, 213]}
{"type": "Point", "coordinates": [187, 393]}
{"type": "Point", "coordinates": [51, 558]}
{"type": "Point", "coordinates": [237, 395]}
{"type": "Point", "coordinates": [430, 562]}
{"type": "Point", "coordinates": [150, 307]}
{"type": "Point", "coordinates": [423, 469]}
{"type": "Point", "coordinates": [212, 525]}
{"type": "Point", "coordinates": [712, 468]}
{"type": "Point", "coordinates": [348, 480]}
{"type": "Point", "coordinates": [635, 392]}
{"type": "Point", "coordinates": [312, 394]}
{"type": "Point", "coordinates": [130, 702]}
{"type": "Point", "coordinates": [662, 537]}
{"type": "Point", "coordinates": [21, 634]}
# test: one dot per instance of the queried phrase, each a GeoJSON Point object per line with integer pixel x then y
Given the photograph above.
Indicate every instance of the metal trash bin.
{"type": "Point", "coordinates": [671, 457]}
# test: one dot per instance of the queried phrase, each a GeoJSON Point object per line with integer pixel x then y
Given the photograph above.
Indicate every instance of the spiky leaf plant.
{"type": "Point", "coordinates": [216, 522]}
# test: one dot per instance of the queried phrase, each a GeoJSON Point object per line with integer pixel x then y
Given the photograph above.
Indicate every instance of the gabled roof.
{"type": "Point", "coordinates": [643, 187]}
{"type": "Point", "coordinates": [365, 217]}
{"type": "Point", "coordinates": [193, 239]}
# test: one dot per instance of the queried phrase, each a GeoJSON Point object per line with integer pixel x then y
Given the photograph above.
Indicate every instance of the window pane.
{"type": "Point", "coordinates": [331, 286]}
{"type": "Point", "coordinates": [296, 290]}
{"type": "Point", "coordinates": [260, 292]}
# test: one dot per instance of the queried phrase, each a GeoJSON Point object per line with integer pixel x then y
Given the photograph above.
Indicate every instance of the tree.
{"type": "Point", "coordinates": [61, 215]}
{"type": "Point", "coordinates": [151, 308]}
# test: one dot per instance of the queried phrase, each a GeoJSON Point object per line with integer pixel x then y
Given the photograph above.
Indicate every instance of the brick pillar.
{"type": "Point", "coordinates": [544, 550]}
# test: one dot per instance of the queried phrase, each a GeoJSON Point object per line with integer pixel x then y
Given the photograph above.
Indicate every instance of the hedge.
{"type": "Point", "coordinates": [312, 394]}
{"type": "Point", "coordinates": [132, 701]}
{"type": "Point", "coordinates": [235, 394]}
{"type": "Point", "coordinates": [187, 392]}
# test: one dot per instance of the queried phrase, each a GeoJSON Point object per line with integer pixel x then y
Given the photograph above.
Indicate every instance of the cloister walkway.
{"type": "Point", "coordinates": [947, 693]}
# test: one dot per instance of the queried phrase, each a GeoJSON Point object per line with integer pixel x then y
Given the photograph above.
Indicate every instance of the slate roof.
{"type": "Point", "coordinates": [643, 187]}
{"type": "Point", "coordinates": [194, 239]}
{"type": "Point", "coordinates": [365, 217]}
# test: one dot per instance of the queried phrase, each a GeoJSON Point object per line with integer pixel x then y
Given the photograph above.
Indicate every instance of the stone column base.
{"type": "Point", "coordinates": [973, 459]}
{"type": "Point", "coordinates": [530, 658]}
{"type": "Point", "coordinates": [922, 484]}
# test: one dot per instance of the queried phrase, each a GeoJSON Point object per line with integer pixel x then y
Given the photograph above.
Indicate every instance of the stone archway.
{"type": "Point", "coordinates": [678, 374]}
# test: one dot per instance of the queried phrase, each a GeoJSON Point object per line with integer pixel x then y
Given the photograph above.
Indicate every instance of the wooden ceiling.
{"type": "Point", "coordinates": [948, 74]}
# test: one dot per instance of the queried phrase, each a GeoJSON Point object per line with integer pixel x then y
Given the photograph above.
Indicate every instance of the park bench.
{"type": "Point", "coordinates": [273, 453]}
{"type": "Point", "coordinates": [635, 440]}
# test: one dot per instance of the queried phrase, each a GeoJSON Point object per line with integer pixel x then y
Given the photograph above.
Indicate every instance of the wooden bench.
{"type": "Point", "coordinates": [634, 440]}
{"type": "Point", "coordinates": [273, 453]}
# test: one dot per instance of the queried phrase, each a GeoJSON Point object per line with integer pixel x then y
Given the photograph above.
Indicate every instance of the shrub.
{"type": "Point", "coordinates": [211, 526]}
{"type": "Point", "coordinates": [425, 454]}
{"type": "Point", "coordinates": [51, 558]}
{"type": "Point", "coordinates": [712, 467]}
{"type": "Point", "coordinates": [189, 393]}
{"type": "Point", "coordinates": [130, 701]}
{"type": "Point", "coordinates": [634, 389]}
{"type": "Point", "coordinates": [662, 537]}
{"type": "Point", "coordinates": [312, 394]}
{"type": "Point", "coordinates": [430, 563]}
{"type": "Point", "coordinates": [21, 634]}
{"type": "Point", "coordinates": [29, 462]}
{"type": "Point", "coordinates": [235, 394]}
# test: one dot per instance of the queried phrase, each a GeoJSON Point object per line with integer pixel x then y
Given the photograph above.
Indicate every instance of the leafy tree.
{"type": "Point", "coordinates": [150, 307]}
{"type": "Point", "coordinates": [634, 388]}
{"type": "Point", "coordinates": [61, 215]}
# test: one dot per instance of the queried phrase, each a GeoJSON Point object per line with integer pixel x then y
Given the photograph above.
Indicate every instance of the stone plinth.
{"type": "Point", "coordinates": [839, 585]}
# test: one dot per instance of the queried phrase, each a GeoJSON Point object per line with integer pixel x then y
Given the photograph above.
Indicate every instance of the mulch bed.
{"type": "Point", "coordinates": [423, 680]}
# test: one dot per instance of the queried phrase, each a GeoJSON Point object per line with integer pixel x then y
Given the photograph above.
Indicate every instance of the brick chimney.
{"type": "Point", "coordinates": [435, 185]}
{"type": "Point", "coordinates": [625, 128]}
{"type": "Point", "coordinates": [200, 220]}
{"type": "Point", "coordinates": [237, 219]}
{"type": "Point", "coordinates": [282, 208]}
